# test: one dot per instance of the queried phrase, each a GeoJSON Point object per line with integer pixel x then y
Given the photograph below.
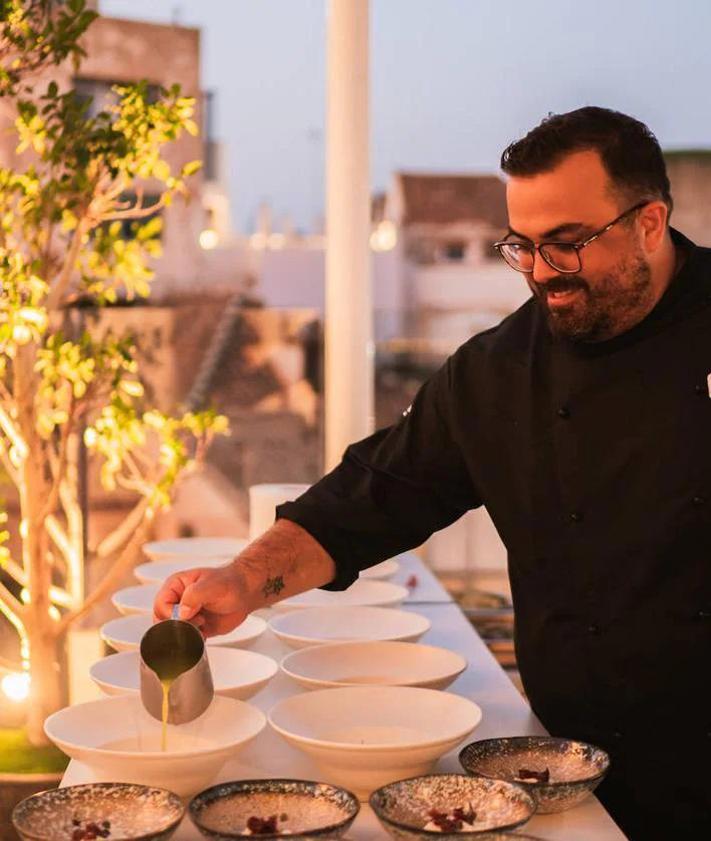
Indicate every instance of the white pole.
{"type": "Point", "coordinates": [348, 328]}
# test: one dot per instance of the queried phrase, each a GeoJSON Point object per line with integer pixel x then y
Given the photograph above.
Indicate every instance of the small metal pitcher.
{"type": "Point", "coordinates": [175, 649]}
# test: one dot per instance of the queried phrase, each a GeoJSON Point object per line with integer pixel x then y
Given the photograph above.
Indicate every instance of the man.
{"type": "Point", "coordinates": [583, 423]}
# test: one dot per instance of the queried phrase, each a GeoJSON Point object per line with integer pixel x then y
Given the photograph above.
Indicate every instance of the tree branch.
{"type": "Point", "coordinates": [118, 537]}
{"type": "Point", "coordinates": [11, 606]}
{"type": "Point", "coordinates": [59, 287]}
{"type": "Point", "coordinates": [59, 537]}
{"type": "Point", "coordinates": [135, 212]}
{"type": "Point", "coordinates": [59, 464]}
{"type": "Point", "coordinates": [10, 468]}
{"type": "Point", "coordinates": [15, 570]}
{"type": "Point", "coordinates": [112, 577]}
{"type": "Point", "coordinates": [74, 536]}
{"type": "Point", "coordinates": [56, 594]}
{"type": "Point", "coordinates": [13, 434]}
{"type": "Point", "coordinates": [5, 393]}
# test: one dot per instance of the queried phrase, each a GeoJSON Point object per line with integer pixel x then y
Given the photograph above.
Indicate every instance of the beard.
{"type": "Point", "coordinates": [606, 308]}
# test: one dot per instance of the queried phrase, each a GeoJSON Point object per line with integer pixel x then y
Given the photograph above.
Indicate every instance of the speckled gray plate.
{"type": "Point", "coordinates": [403, 807]}
{"type": "Point", "coordinates": [136, 812]}
{"type": "Point", "coordinates": [312, 810]}
{"type": "Point", "coordinates": [575, 767]}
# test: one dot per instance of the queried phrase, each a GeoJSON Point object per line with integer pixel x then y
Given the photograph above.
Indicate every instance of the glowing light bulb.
{"type": "Point", "coordinates": [384, 237]}
{"type": "Point", "coordinates": [208, 239]}
{"type": "Point", "coordinates": [16, 686]}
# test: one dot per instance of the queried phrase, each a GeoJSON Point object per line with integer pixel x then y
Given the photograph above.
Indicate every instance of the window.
{"type": "Point", "coordinates": [99, 93]}
{"type": "Point", "coordinates": [454, 251]}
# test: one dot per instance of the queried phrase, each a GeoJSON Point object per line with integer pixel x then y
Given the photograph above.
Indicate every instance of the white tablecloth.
{"type": "Point", "coordinates": [505, 713]}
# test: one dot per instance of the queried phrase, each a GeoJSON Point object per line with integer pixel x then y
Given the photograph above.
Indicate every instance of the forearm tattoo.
{"type": "Point", "coordinates": [273, 586]}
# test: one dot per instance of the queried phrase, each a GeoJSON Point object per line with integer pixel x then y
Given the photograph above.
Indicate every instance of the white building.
{"type": "Point", "coordinates": [436, 279]}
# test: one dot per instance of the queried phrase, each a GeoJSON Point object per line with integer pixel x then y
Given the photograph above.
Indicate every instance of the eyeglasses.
{"type": "Point", "coordinates": [564, 257]}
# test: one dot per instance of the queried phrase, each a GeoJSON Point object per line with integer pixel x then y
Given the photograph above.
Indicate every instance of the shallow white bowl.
{"type": "Point", "coordinates": [120, 741]}
{"type": "Point", "coordinates": [126, 633]}
{"type": "Point", "coordinates": [194, 547]}
{"type": "Point", "coordinates": [363, 737]}
{"type": "Point", "coordinates": [373, 663]}
{"type": "Point", "coordinates": [361, 593]}
{"type": "Point", "coordinates": [157, 571]}
{"type": "Point", "coordinates": [320, 625]}
{"type": "Point", "coordinates": [135, 600]}
{"type": "Point", "coordinates": [235, 673]}
{"type": "Point", "coordinates": [386, 569]}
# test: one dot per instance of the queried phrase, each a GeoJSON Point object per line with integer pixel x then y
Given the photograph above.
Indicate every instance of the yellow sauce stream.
{"type": "Point", "coordinates": [166, 684]}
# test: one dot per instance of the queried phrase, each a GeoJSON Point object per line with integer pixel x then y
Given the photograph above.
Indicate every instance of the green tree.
{"type": "Point", "coordinates": [62, 213]}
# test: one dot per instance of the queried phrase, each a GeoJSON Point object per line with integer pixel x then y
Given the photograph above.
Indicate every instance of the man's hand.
{"type": "Point", "coordinates": [284, 561]}
{"type": "Point", "coordinates": [215, 600]}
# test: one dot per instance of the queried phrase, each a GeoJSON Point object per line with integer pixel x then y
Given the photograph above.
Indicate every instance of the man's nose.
{"type": "Point", "coordinates": [542, 272]}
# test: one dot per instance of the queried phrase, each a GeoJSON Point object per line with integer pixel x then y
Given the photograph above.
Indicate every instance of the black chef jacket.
{"type": "Point", "coordinates": [594, 462]}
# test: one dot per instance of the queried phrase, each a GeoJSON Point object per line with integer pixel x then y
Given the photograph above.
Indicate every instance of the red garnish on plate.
{"type": "Point", "coordinates": [527, 775]}
{"type": "Point", "coordinates": [263, 826]}
{"type": "Point", "coordinates": [452, 822]}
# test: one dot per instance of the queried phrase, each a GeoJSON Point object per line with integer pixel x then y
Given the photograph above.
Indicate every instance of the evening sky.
{"type": "Point", "coordinates": [453, 81]}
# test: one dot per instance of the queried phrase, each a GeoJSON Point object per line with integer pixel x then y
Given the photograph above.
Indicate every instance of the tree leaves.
{"type": "Point", "coordinates": [36, 34]}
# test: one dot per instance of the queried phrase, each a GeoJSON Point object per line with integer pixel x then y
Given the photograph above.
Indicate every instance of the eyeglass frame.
{"type": "Point", "coordinates": [576, 246]}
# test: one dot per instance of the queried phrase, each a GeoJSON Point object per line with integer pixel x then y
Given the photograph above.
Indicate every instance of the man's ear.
{"type": "Point", "coordinates": [653, 225]}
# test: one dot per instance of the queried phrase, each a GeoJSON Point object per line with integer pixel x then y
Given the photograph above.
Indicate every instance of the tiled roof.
{"type": "Point", "coordinates": [444, 199]}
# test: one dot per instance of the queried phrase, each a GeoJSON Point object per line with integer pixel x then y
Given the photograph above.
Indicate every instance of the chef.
{"type": "Point", "coordinates": [583, 423]}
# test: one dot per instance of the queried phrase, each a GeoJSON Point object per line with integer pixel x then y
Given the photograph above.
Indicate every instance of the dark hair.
{"type": "Point", "coordinates": [629, 151]}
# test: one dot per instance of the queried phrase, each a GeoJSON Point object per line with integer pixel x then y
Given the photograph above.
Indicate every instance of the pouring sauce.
{"type": "Point", "coordinates": [169, 656]}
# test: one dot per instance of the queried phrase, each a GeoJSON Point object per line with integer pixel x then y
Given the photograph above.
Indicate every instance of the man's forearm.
{"type": "Point", "coordinates": [284, 561]}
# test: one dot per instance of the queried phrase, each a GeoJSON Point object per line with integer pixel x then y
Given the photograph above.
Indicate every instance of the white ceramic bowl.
{"type": "Point", "coordinates": [132, 600]}
{"type": "Point", "coordinates": [386, 569]}
{"type": "Point", "coordinates": [235, 673]}
{"type": "Point", "coordinates": [363, 737]}
{"type": "Point", "coordinates": [194, 548]}
{"type": "Point", "coordinates": [319, 625]}
{"type": "Point", "coordinates": [125, 633]}
{"type": "Point", "coordinates": [157, 571]}
{"type": "Point", "coordinates": [373, 663]}
{"type": "Point", "coordinates": [362, 592]}
{"type": "Point", "coordinates": [120, 741]}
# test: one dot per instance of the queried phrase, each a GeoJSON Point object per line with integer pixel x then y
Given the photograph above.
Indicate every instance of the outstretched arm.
{"type": "Point", "coordinates": [284, 561]}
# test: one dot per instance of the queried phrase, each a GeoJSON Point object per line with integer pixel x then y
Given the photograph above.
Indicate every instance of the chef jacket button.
{"type": "Point", "coordinates": [701, 390]}
{"type": "Point", "coordinates": [698, 500]}
{"type": "Point", "coordinates": [564, 412]}
{"type": "Point", "coordinates": [594, 629]}
{"type": "Point", "coordinates": [703, 614]}
{"type": "Point", "coordinates": [576, 516]}
{"type": "Point", "coordinates": [618, 734]}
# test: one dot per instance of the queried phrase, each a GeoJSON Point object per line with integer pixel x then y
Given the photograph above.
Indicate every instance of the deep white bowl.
{"type": "Point", "coordinates": [362, 592]}
{"type": "Point", "coordinates": [194, 547]}
{"type": "Point", "coordinates": [157, 571]}
{"type": "Point", "coordinates": [120, 741]}
{"type": "Point", "coordinates": [135, 600]}
{"type": "Point", "coordinates": [373, 663]}
{"type": "Point", "coordinates": [363, 737]}
{"type": "Point", "coordinates": [386, 569]}
{"type": "Point", "coordinates": [320, 625]}
{"type": "Point", "coordinates": [125, 633]}
{"type": "Point", "coordinates": [235, 673]}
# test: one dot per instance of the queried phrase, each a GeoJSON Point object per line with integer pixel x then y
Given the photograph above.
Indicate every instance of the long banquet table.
{"type": "Point", "coordinates": [505, 713]}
